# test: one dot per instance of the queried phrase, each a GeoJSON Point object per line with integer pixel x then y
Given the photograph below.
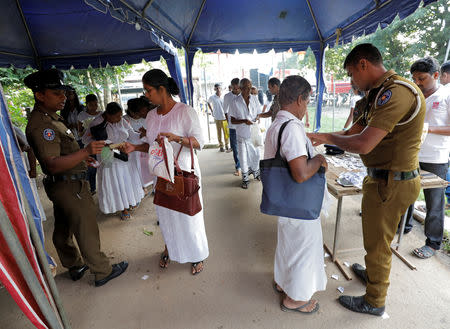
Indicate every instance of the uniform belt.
{"type": "Point", "coordinates": [397, 175]}
{"type": "Point", "coordinates": [64, 178]}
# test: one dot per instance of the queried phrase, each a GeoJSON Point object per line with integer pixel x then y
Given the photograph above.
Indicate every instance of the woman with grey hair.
{"type": "Point", "coordinates": [299, 266]}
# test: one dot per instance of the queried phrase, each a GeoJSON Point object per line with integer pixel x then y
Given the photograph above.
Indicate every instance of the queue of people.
{"type": "Point", "coordinates": [386, 132]}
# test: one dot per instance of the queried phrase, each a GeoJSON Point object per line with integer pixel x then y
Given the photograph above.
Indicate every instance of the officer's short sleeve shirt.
{"type": "Point", "coordinates": [49, 137]}
{"type": "Point", "coordinates": [394, 104]}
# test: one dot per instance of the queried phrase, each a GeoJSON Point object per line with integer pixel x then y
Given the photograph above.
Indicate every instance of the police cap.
{"type": "Point", "coordinates": [45, 79]}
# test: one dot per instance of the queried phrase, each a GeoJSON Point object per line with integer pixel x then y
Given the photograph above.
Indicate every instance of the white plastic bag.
{"type": "Point", "coordinates": [156, 162]}
{"type": "Point", "coordinates": [326, 203]}
{"type": "Point", "coordinates": [256, 134]}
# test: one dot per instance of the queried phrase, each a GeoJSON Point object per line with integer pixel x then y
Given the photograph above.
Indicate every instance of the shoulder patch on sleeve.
{"type": "Point", "coordinates": [384, 97]}
{"type": "Point", "coordinates": [49, 134]}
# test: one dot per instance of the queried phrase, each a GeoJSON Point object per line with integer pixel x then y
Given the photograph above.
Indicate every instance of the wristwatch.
{"type": "Point", "coordinates": [180, 141]}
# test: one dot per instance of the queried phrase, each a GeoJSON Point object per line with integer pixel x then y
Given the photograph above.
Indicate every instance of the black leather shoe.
{"type": "Point", "coordinates": [77, 272]}
{"type": "Point", "coordinates": [117, 269]}
{"type": "Point", "coordinates": [405, 231]}
{"type": "Point", "coordinates": [359, 304]}
{"type": "Point", "coordinates": [360, 272]}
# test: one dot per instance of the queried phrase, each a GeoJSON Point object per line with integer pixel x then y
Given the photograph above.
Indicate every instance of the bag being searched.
{"type": "Point", "coordinates": [156, 162]}
{"type": "Point", "coordinates": [283, 196]}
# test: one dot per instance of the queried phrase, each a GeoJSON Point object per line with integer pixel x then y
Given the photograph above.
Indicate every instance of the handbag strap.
{"type": "Point", "coordinates": [191, 148]}
{"type": "Point", "coordinates": [278, 154]}
{"type": "Point", "coordinates": [163, 146]}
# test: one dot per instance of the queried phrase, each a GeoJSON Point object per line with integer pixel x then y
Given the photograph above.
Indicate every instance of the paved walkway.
{"type": "Point", "coordinates": [234, 291]}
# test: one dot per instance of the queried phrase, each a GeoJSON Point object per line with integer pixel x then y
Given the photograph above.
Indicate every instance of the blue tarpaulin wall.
{"type": "Point", "coordinates": [98, 32]}
{"type": "Point", "coordinates": [19, 172]}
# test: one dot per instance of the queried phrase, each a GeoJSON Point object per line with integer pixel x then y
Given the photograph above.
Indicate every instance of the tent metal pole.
{"type": "Point", "coordinates": [448, 49]}
{"type": "Point", "coordinates": [315, 20]}
{"type": "Point", "coordinates": [378, 7]}
{"type": "Point", "coordinates": [150, 22]}
{"type": "Point", "coordinates": [26, 269]}
{"type": "Point", "coordinates": [196, 21]}
{"type": "Point", "coordinates": [14, 54]}
{"type": "Point", "coordinates": [148, 4]}
{"type": "Point", "coordinates": [188, 75]}
{"type": "Point", "coordinates": [102, 54]}
{"type": "Point", "coordinates": [36, 56]}
{"type": "Point", "coordinates": [255, 43]}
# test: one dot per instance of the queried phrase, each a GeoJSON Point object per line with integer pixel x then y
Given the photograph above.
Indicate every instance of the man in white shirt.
{"type": "Point", "coordinates": [227, 105]}
{"type": "Point", "coordinates": [445, 74]}
{"type": "Point", "coordinates": [219, 116]}
{"type": "Point", "coordinates": [445, 81]}
{"type": "Point", "coordinates": [433, 155]}
{"type": "Point", "coordinates": [243, 114]}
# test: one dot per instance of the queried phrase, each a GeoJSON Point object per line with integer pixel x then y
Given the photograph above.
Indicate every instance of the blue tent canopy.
{"type": "Point", "coordinates": [98, 32]}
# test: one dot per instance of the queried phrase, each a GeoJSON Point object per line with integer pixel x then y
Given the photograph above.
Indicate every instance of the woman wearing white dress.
{"type": "Point", "coordinates": [184, 235]}
{"type": "Point", "coordinates": [137, 122]}
{"type": "Point", "coordinates": [119, 184]}
{"type": "Point", "coordinates": [299, 267]}
{"type": "Point", "coordinates": [84, 119]}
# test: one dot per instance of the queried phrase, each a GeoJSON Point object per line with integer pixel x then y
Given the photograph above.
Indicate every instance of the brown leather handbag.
{"type": "Point", "coordinates": [183, 194]}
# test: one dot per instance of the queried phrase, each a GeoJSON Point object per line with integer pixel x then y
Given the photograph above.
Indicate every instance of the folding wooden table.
{"type": "Point", "coordinates": [428, 180]}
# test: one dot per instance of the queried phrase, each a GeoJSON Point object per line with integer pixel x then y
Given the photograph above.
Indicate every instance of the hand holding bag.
{"type": "Point", "coordinates": [256, 135]}
{"type": "Point", "coordinates": [283, 196]}
{"type": "Point", "coordinates": [183, 194]}
{"type": "Point", "coordinates": [159, 155]}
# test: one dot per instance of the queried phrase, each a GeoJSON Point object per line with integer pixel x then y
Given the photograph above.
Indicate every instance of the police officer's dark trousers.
{"type": "Point", "coordinates": [75, 215]}
{"type": "Point", "coordinates": [384, 201]}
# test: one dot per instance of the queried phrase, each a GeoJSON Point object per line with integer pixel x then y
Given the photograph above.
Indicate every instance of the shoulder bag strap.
{"type": "Point", "coordinates": [278, 154]}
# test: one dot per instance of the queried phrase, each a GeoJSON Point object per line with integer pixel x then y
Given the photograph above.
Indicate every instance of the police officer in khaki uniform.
{"type": "Point", "coordinates": [64, 165]}
{"type": "Point", "coordinates": [387, 136]}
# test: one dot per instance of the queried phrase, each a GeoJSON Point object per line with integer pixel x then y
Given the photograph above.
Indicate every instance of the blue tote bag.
{"type": "Point", "coordinates": [283, 196]}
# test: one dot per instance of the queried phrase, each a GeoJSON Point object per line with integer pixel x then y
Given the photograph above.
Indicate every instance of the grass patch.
{"type": "Point", "coordinates": [446, 242]}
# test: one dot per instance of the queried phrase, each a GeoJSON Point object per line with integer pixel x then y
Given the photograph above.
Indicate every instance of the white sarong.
{"type": "Point", "coordinates": [184, 235]}
{"type": "Point", "coordinates": [299, 265]}
{"type": "Point", "coordinates": [248, 158]}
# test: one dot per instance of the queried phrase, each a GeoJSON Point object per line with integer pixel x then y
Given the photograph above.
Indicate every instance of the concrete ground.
{"type": "Point", "coordinates": [235, 289]}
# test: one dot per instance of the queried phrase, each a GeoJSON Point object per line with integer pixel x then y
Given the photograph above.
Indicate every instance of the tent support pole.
{"type": "Point", "coordinates": [378, 7]}
{"type": "Point", "coordinates": [147, 5]}
{"type": "Point", "coordinates": [196, 21]}
{"type": "Point", "coordinates": [14, 54]}
{"type": "Point", "coordinates": [102, 54]}
{"type": "Point", "coordinates": [188, 75]}
{"type": "Point", "coordinates": [36, 57]}
{"type": "Point", "coordinates": [26, 269]}
{"type": "Point", "coordinates": [289, 43]}
{"type": "Point", "coordinates": [319, 86]}
{"type": "Point", "coordinates": [315, 20]}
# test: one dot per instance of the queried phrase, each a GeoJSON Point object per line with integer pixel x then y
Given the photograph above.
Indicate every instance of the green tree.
{"type": "Point", "coordinates": [424, 33]}
{"type": "Point", "coordinates": [101, 81]}
{"type": "Point", "coordinates": [308, 62]}
{"type": "Point", "coordinates": [18, 97]}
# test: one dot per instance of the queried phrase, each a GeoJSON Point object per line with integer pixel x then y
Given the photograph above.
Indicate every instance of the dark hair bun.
{"type": "Point", "coordinates": [157, 78]}
{"type": "Point", "coordinates": [172, 87]}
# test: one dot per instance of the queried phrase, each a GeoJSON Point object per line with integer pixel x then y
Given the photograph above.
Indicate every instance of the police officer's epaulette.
{"type": "Point", "coordinates": [383, 92]}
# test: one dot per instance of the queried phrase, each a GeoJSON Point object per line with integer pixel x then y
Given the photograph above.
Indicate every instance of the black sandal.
{"type": "Point", "coordinates": [194, 267]}
{"type": "Point", "coordinates": [165, 259]}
